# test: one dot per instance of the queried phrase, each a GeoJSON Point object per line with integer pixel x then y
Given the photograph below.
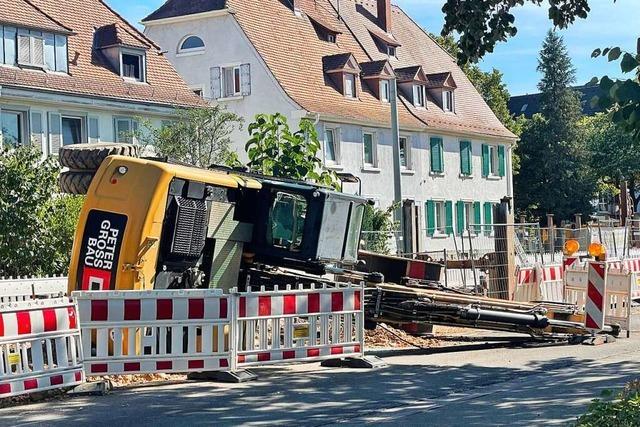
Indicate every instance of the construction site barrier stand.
{"type": "Point", "coordinates": [299, 325]}
{"type": "Point", "coordinates": [132, 332]}
{"type": "Point", "coordinates": [601, 290]}
{"type": "Point", "coordinates": [40, 346]}
{"type": "Point", "coordinates": [165, 331]}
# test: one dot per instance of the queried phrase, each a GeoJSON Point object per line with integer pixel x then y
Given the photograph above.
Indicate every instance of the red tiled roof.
{"type": "Point", "coordinates": [23, 13]}
{"type": "Point", "coordinates": [89, 74]}
{"type": "Point", "coordinates": [293, 52]}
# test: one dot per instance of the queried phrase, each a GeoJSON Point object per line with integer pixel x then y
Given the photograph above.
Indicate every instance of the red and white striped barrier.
{"type": "Point", "coordinates": [40, 346]}
{"type": "Point", "coordinates": [155, 331]}
{"type": "Point", "coordinates": [527, 285]}
{"type": "Point", "coordinates": [616, 301]}
{"type": "Point", "coordinates": [296, 325]}
{"type": "Point", "coordinates": [551, 283]}
{"type": "Point", "coordinates": [596, 288]}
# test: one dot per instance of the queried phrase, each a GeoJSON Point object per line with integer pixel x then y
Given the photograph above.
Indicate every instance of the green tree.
{"type": "Point", "coordinates": [554, 172]}
{"type": "Point", "coordinates": [484, 23]}
{"type": "Point", "coordinates": [378, 228]}
{"type": "Point", "coordinates": [276, 151]}
{"type": "Point", "coordinates": [614, 154]}
{"type": "Point", "coordinates": [198, 136]}
{"type": "Point", "coordinates": [37, 225]}
{"type": "Point", "coordinates": [621, 96]}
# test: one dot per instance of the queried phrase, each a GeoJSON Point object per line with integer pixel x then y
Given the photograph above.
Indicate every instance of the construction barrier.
{"type": "Point", "coordinates": [40, 346]}
{"type": "Point", "coordinates": [617, 294]}
{"type": "Point", "coordinates": [551, 282]}
{"type": "Point", "coordinates": [135, 332]}
{"type": "Point", "coordinates": [25, 289]}
{"type": "Point", "coordinates": [527, 285]}
{"type": "Point", "coordinates": [300, 325]}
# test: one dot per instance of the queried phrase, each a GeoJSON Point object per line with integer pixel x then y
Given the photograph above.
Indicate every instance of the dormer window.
{"type": "Point", "coordinates": [324, 29]}
{"type": "Point", "coordinates": [412, 82]}
{"type": "Point", "coordinates": [132, 65]}
{"type": "Point", "coordinates": [386, 43]}
{"type": "Point", "coordinates": [419, 95]}
{"type": "Point", "coordinates": [442, 87]}
{"type": "Point", "coordinates": [378, 75]}
{"type": "Point", "coordinates": [342, 71]}
{"type": "Point", "coordinates": [124, 50]}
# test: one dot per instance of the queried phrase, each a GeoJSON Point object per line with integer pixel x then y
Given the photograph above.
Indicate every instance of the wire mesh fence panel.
{"type": "Point", "coordinates": [615, 239]}
{"type": "Point", "coordinates": [382, 242]}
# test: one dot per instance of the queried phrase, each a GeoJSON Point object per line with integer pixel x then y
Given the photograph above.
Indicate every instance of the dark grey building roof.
{"type": "Point", "coordinates": [173, 8]}
{"type": "Point", "coordinates": [530, 104]}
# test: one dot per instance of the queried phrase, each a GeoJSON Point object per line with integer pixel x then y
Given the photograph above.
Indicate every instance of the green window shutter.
{"type": "Point", "coordinates": [460, 217]}
{"type": "Point", "coordinates": [431, 217]}
{"type": "Point", "coordinates": [502, 166]}
{"type": "Point", "coordinates": [485, 160]}
{"type": "Point", "coordinates": [476, 216]}
{"type": "Point", "coordinates": [448, 211]}
{"type": "Point", "coordinates": [488, 213]}
{"type": "Point", "coordinates": [436, 155]}
{"type": "Point", "coordinates": [465, 157]}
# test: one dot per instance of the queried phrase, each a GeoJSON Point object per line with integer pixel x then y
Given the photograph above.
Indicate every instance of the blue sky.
{"type": "Point", "coordinates": [609, 24]}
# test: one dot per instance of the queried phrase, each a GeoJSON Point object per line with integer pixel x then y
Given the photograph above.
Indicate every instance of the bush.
{"type": "Point", "coordinates": [378, 227]}
{"type": "Point", "coordinates": [622, 411]}
{"type": "Point", "coordinates": [36, 224]}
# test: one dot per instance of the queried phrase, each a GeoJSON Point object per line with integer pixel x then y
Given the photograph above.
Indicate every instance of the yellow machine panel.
{"type": "Point", "coordinates": [119, 231]}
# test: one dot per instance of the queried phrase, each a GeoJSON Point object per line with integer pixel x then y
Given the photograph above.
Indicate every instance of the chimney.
{"type": "Point", "coordinates": [384, 15]}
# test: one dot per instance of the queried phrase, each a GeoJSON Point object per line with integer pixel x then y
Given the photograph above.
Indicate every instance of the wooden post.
{"type": "Point", "coordinates": [578, 221]}
{"type": "Point", "coordinates": [504, 283]}
{"type": "Point", "coordinates": [624, 206]}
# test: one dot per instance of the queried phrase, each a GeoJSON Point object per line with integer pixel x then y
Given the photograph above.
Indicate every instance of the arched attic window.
{"type": "Point", "coordinates": [191, 44]}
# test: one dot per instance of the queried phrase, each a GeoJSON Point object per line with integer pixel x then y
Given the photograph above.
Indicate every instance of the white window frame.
{"type": "Point", "coordinates": [237, 72]}
{"type": "Point", "coordinates": [142, 62]}
{"type": "Point", "coordinates": [131, 121]}
{"type": "Point", "coordinates": [374, 150]}
{"type": "Point", "coordinates": [494, 161]}
{"type": "Point", "coordinates": [349, 77]}
{"type": "Point", "coordinates": [190, 51]}
{"type": "Point", "coordinates": [24, 125]}
{"type": "Point", "coordinates": [385, 95]}
{"type": "Point", "coordinates": [441, 217]}
{"type": "Point", "coordinates": [448, 104]}
{"type": "Point", "coordinates": [331, 38]}
{"type": "Point", "coordinates": [83, 125]}
{"type": "Point", "coordinates": [392, 51]}
{"type": "Point", "coordinates": [407, 153]}
{"type": "Point", "coordinates": [419, 96]}
{"type": "Point", "coordinates": [336, 146]}
{"type": "Point", "coordinates": [468, 215]}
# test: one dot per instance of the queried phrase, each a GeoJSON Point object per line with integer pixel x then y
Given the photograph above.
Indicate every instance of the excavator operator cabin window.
{"type": "Point", "coordinates": [286, 218]}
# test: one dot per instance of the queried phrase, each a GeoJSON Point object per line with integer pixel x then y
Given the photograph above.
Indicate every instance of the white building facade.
{"type": "Point", "coordinates": [306, 61]}
{"type": "Point", "coordinates": [66, 78]}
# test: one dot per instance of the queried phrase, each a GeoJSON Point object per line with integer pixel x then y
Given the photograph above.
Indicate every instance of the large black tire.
{"type": "Point", "coordinates": [75, 182]}
{"type": "Point", "coordinates": [91, 156]}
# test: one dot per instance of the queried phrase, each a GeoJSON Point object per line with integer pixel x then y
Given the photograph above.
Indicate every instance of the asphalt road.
{"type": "Point", "coordinates": [463, 385]}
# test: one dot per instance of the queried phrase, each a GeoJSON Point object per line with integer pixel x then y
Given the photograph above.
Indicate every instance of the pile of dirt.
{"type": "Point", "coordinates": [129, 380]}
{"type": "Point", "coordinates": [385, 336]}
